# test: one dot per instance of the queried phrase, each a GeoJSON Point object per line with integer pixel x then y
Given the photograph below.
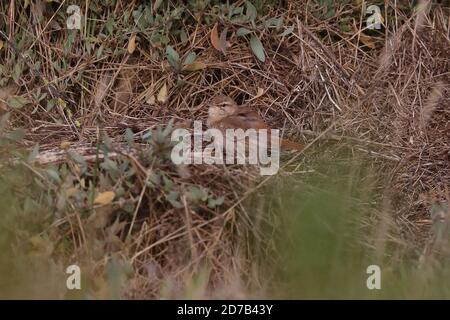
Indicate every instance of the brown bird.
{"type": "Point", "coordinates": [224, 113]}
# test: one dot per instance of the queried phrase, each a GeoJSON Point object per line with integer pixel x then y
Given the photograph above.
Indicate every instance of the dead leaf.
{"type": "Point", "coordinates": [123, 90]}
{"type": "Point", "coordinates": [132, 44]}
{"type": "Point", "coordinates": [259, 93]}
{"type": "Point", "coordinates": [215, 37]}
{"type": "Point", "coordinates": [215, 41]}
{"type": "Point", "coordinates": [162, 94]}
{"type": "Point", "coordinates": [194, 66]}
{"type": "Point", "coordinates": [100, 91]}
{"type": "Point", "coordinates": [104, 198]}
{"type": "Point", "coordinates": [151, 100]}
{"type": "Point", "coordinates": [65, 145]}
{"type": "Point", "coordinates": [367, 40]}
{"type": "Point", "coordinates": [71, 191]}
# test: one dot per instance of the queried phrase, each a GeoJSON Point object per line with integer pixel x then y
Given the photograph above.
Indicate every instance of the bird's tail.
{"type": "Point", "coordinates": [286, 144]}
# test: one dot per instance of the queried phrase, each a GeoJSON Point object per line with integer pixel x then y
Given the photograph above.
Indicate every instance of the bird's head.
{"type": "Point", "coordinates": [220, 107]}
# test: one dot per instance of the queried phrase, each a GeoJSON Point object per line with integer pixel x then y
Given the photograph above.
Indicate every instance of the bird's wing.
{"type": "Point", "coordinates": [246, 118]}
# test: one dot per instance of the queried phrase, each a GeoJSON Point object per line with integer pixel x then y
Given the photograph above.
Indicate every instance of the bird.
{"type": "Point", "coordinates": [224, 113]}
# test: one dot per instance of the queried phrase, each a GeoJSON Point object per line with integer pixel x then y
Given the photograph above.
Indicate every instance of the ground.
{"type": "Point", "coordinates": [86, 176]}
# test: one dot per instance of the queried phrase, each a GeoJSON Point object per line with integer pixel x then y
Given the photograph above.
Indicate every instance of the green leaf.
{"type": "Point", "coordinates": [53, 174]}
{"type": "Point", "coordinates": [287, 32]}
{"type": "Point", "coordinates": [173, 57]}
{"type": "Point", "coordinates": [148, 16]}
{"type": "Point", "coordinates": [109, 166]}
{"type": "Point", "coordinates": [50, 104]}
{"type": "Point", "coordinates": [190, 58]}
{"type": "Point", "coordinates": [183, 36]}
{"type": "Point", "coordinates": [168, 184]}
{"type": "Point", "coordinates": [33, 154]}
{"type": "Point", "coordinates": [139, 19]}
{"type": "Point", "coordinates": [274, 22]}
{"type": "Point", "coordinates": [238, 10]}
{"type": "Point", "coordinates": [153, 180]}
{"type": "Point", "coordinates": [110, 25]}
{"type": "Point", "coordinates": [15, 135]}
{"type": "Point", "coordinates": [331, 13]}
{"type": "Point", "coordinates": [17, 71]}
{"type": "Point", "coordinates": [17, 102]}
{"type": "Point", "coordinates": [242, 32]}
{"type": "Point", "coordinates": [195, 194]}
{"type": "Point", "coordinates": [147, 136]}
{"type": "Point", "coordinates": [328, 7]}
{"type": "Point", "coordinates": [212, 203]}
{"type": "Point", "coordinates": [75, 156]}
{"type": "Point", "coordinates": [257, 48]}
{"type": "Point", "coordinates": [173, 197]}
{"type": "Point", "coordinates": [129, 136]}
{"type": "Point", "coordinates": [251, 11]}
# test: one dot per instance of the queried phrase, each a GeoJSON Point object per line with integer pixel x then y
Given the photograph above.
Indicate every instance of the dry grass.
{"type": "Point", "coordinates": [383, 94]}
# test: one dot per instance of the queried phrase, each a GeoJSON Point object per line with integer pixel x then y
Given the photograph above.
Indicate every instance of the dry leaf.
{"type": "Point", "coordinates": [365, 39]}
{"type": "Point", "coordinates": [162, 94]}
{"type": "Point", "coordinates": [105, 198]}
{"type": "Point", "coordinates": [124, 90]}
{"type": "Point", "coordinates": [65, 145]}
{"type": "Point", "coordinates": [431, 103]}
{"type": "Point", "coordinates": [151, 100]}
{"type": "Point", "coordinates": [100, 91]}
{"type": "Point", "coordinates": [71, 191]}
{"type": "Point", "coordinates": [194, 66]}
{"type": "Point", "coordinates": [259, 93]}
{"type": "Point", "coordinates": [215, 41]}
{"type": "Point", "coordinates": [215, 38]}
{"type": "Point", "coordinates": [132, 44]}
{"type": "Point", "coordinates": [368, 41]}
